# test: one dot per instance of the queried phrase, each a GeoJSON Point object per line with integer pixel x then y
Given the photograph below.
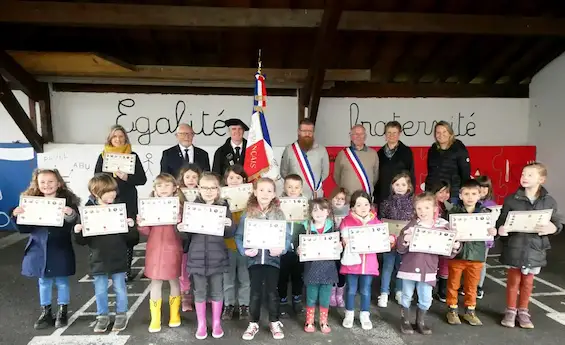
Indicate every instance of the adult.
{"type": "Point", "coordinates": [184, 153]}
{"type": "Point", "coordinates": [118, 142]}
{"type": "Point", "coordinates": [357, 166]}
{"type": "Point", "coordinates": [448, 160]}
{"type": "Point", "coordinates": [394, 158]}
{"type": "Point", "coordinates": [233, 150]}
{"type": "Point", "coordinates": [307, 159]}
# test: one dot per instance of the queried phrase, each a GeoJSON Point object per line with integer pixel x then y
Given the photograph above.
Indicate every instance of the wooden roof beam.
{"type": "Point", "coordinates": [161, 16]}
{"type": "Point", "coordinates": [20, 78]}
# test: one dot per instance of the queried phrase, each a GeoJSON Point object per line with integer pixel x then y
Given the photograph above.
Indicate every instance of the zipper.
{"type": "Point", "coordinates": [262, 256]}
{"type": "Point", "coordinates": [205, 255]}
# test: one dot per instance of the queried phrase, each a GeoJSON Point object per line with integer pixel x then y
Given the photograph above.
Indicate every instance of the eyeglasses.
{"type": "Point", "coordinates": [208, 189]}
{"type": "Point", "coordinates": [181, 134]}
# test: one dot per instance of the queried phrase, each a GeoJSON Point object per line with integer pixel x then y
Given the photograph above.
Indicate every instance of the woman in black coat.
{"type": "Point", "coordinates": [448, 160]}
{"type": "Point", "coordinates": [118, 142]}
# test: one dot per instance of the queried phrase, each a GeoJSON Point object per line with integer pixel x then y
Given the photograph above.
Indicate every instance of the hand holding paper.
{"type": "Point", "coordinates": [78, 228]}
{"type": "Point", "coordinates": [251, 252]}
{"type": "Point", "coordinates": [547, 229]}
{"type": "Point", "coordinates": [139, 219]}
{"type": "Point", "coordinates": [122, 176]}
{"type": "Point", "coordinates": [297, 250]}
{"type": "Point", "coordinates": [68, 211]}
{"type": "Point", "coordinates": [392, 240]}
{"type": "Point", "coordinates": [408, 235]}
{"type": "Point", "coordinates": [502, 231]}
{"type": "Point", "coordinates": [180, 227]}
{"type": "Point", "coordinates": [456, 245]}
{"type": "Point", "coordinates": [228, 222]}
{"type": "Point", "coordinates": [492, 232]}
{"type": "Point", "coordinates": [130, 222]}
{"type": "Point", "coordinates": [18, 210]}
{"type": "Point", "coordinates": [275, 252]}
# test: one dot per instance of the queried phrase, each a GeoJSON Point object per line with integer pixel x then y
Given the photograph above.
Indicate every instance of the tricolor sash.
{"type": "Point", "coordinates": [358, 168]}
{"type": "Point", "coordinates": [304, 165]}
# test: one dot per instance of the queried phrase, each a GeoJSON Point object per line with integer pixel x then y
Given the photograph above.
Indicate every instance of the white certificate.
{"type": "Point", "coordinates": [316, 247]}
{"type": "Point", "coordinates": [237, 196]}
{"type": "Point", "coordinates": [338, 220]}
{"type": "Point", "coordinates": [395, 226]}
{"type": "Point", "coordinates": [369, 239]}
{"type": "Point", "coordinates": [495, 211]}
{"type": "Point", "coordinates": [114, 162]}
{"type": "Point", "coordinates": [204, 219]}
{"type": "Point", "coordinates": [432, 241]}
{"type": "Point", "coordinates": [264, 234]}
{"type": "Point", "coordinates": [294, 209]}
{"type": "Point", "coordinates": [472, 226]}
{"type": "Point", "coordinates": [526, 221]}
{"type": "Point", "coordinates": [104, 220]}
{"type": "Point", "coordinates": [42, 211]}
{"type": "Point", "coordinates": [190, 194]}
{"type": "Point", "coordinates": [159, 211]}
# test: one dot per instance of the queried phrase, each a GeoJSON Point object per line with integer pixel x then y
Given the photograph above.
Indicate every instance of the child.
{"type": "Point", "coordinates": [418, 270]}
{"type": "Point", "coordinates": [359, 269]}
{"type": "Point", "coordinates": [188, 178]}
{"type": "Point", "coordinates": [340, 208]}
{"type": "Point", "coordinates": [398, 206]}
{"type": "Point", "coordinates": [108, 258]}
{"type": "Point", "coordinates": [525, 253]}
{"type": "Point", "coordinates": [49, 253]}
{"type": "Point", "coordinates": [238, 274]}
{"type": "Point", "coordinates": [319, 276]}
{"type": "Point", "coordinates": [163, 257]}
{"type": "Point", "coordinates": [263, 264]}
{"type": "Point", "coordinates": [291, 268]}
{"type": "Point", "coordinates": [469, 262]}
{"type": "Point", "coordinates": [208, 260]}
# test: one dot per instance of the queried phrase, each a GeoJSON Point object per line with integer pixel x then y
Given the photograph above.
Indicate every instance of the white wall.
{"type": "Point", "coordinates": [9, 131]}
{"type": "Point", "coordinates": [547, 123]}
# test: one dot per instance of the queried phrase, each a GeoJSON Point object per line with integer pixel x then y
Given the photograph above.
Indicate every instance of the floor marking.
{"type": "Point", "coordinates": [542, 294]}
{"type": "Point", "coordinates": [81, 340]}
{"type": "Point", "coordinates": [12, 239]}
{"type": "Point", "coordinates": [496, 266]}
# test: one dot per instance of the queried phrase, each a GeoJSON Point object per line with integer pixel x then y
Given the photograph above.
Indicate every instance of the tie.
{"type": "Point", "coordinates": [237, 156]}
{"type": "Point", "coordinates": [186, 156]}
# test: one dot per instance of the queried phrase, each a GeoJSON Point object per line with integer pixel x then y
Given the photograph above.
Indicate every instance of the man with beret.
{"type": "Point", "coordinates": [233, 151]}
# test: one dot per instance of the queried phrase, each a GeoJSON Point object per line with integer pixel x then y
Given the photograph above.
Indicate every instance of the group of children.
{"type": "Point", "coordinates": [217, 267]}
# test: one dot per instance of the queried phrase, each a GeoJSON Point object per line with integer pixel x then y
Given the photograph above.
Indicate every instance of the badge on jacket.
{"type": "Point", "coordinates": [230, 159]}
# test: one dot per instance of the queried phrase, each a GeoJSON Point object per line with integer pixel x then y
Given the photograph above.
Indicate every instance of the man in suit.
{"type": "Point", "coordinates": [184, 153]}
{"type": "Point", "coordinates": [233, 150]}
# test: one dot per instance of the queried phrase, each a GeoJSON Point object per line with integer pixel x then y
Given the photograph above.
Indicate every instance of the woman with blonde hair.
{"type": "Point", "coordinates": [118, 142]}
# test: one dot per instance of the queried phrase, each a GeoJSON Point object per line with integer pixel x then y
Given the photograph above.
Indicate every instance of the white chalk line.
{"type": "Point", "coordinates": [12, 239]}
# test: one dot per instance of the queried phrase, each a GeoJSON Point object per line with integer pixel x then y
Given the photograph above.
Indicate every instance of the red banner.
{"type": "Point", "coordinates": [503, 164]}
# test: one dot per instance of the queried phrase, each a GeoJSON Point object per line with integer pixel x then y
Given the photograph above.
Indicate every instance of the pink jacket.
{"type": "Point", "coordinates": [164, 252]}
{"type": "Point", "coordinates": [369, 264]}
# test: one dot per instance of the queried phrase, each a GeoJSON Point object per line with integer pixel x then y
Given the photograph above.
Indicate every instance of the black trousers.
{"type": "Point", "coordinates": [291, 269]}
{"type": "Point", "coordinates": [341, 277]}
{"type": "Point", "coordinates": [267, 275]}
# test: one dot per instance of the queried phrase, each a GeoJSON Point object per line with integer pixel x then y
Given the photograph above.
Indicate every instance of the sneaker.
{"type": "Point", "coordinates": [243, 312]}
{"type": "Point", "coordinates": [297, 306]}
{"type": "Point", "coordinates": [365, 319]}
{"type": "Point", "coordinates": [524, 319]}
{"type": "Point", "coordinates": [398, 296]}
{"type": "Point", "coordinates": [102, 323]}
{"type": "Point", "coordinates": [228, 312]}
{"type": "Point", "coordinates": [480, 293]}
{"type": "Point", "coordinates": [251, 331]}
{"type": "Point", "coordinates": [284, 309]}
{"type": "Point", "coordinates": [382, 300]}
{"type": "Point", "coordinates": [461, 291]}
{"type": "Point", "coordinates": [453, 317]}
{"type": "Point", "coordinates": [120, 323]}
{"type": "Point", "coordinates": [348, 319]}
{"type": "Point", "coordinates": [509, 319]}
{"type": "Point", "coordinates": [471, 317]}
{"type": "Point", "coordinates": [276, 330]}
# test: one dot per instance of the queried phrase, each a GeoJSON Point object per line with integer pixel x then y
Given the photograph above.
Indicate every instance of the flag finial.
{"type": "Point", "coordinates": [259, 62]}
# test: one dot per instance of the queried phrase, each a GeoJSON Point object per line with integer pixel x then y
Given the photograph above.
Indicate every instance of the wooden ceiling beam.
{"type": "Point", "coordinates": [491, 73]}
{"type": "Point", "coordinates": [22, 79]}
{"type": "Point", "coordinates": [160, 16]}
{"type": "Point", "coordinates": [382, 70]}
{"type": "Point", "coordinates": [516, 70]}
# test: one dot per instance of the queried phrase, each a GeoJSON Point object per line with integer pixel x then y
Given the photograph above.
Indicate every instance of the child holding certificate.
{"type": "Point", "coordinates": [163, 256]}
{"type": "Point", "coordinates": [108, 257]}
{"type": "Point", "coordinates": [525, 253]}
{"type": "Point", "coordinates": [470, 260]}
{"type": "Point", "coordinates": [418, 270]}
{"type": "Point", "coordinates": [398, 206]}
{"type": "Point", "coordinates": [208, 260]}
{"type": "Point", "coordinates": [238, 274]}
{"type": "Point", "coordinates": [340, 208]}
{"type": "Point", "coordinates": [49, 253]}
{"type": "Point", "coordinates": [264, 263]}
{"type": "Point", "coordinates": [319, 276]}
{"type": "Point", "coordinates": [359, 269]}
{"type": "Point", "coordinates": [188, 178]}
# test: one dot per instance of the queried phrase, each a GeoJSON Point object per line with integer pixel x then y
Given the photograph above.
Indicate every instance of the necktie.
{"type": "Point", "coordinates": [237, 156]}
{"type": "Point", "coordinates": [186, 156]}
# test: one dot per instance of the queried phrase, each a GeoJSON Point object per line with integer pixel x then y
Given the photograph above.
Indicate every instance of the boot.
{"type": "Point", "coordinates": [441, 293]}
{"type": "Point", "coordinates": [339, 297]}
{"type": "Point", "coordinates": [421, 322]}
{"type": "Point", "coordinates": [61, 320]}
{"type": "Point", "coordinates": [201, 331]}
{"type": "Point", "coordinates": [174, 311]}
{"type": "Point", "coordinates": [405, 325]}
{"type": "Point", "coordinates": [155, 311]}
{"type": "Point", "coordinates": [217, 331]}
{"type": "Point", "coordinates": [324, 327]}
{"type": "Point", "coordinates": [309, 324]}
{"type": "Point", "coordinates": [509, 319]}
{"type": "Point", "coordinates": [333, 301]}
{"type": "Point", "coordinates": [45, 320]}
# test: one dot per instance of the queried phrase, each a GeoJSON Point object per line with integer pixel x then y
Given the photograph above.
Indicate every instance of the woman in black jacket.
{"type": "Point", "coordinates": [118, 142]}
{"type": "Point", "coordinates": [448, 160]}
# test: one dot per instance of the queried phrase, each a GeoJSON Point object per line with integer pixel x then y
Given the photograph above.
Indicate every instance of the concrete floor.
{"type": "Point", "coordinates": [19, 309]}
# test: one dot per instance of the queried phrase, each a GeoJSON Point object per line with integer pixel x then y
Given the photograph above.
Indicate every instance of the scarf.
{"type": "Point", "coordinates": [125, 149]}
{"type": "Point", "coordinates": [390, 152]}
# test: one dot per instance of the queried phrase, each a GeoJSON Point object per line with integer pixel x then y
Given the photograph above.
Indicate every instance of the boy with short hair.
{"type": "Point", "coordinates": [470, 260]}
{"type": "Point", "coordinates": [291, 268]}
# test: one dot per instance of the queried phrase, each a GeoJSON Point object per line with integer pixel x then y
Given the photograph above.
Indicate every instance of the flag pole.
{"type": "Point", "coordinates": [259, 63]}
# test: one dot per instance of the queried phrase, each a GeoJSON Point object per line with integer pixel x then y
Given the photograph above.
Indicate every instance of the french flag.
{"type": "Point", "coordinates": [259, 158]}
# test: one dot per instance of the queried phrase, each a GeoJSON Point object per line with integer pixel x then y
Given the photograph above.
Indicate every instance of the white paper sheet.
{"type": "Point", "coordinates": [204, 219]}
{"type": "Point", "coordinates": [526, 221]}
{"type": "Point", "coordinates": [295, 209]}
{"type": "Point", "coordinates": [114, 162]}
{"type": "Point", "coordinates": [264, 234]}
{"type": "Point", "coordinates": [190, 194]}
{"type": "Point", "coordinates": [472, 226]}
{"type": "Point", "coordinates": [237, 196]}
{"type": "Point", "coordinates": [159, 211]}
{"type": "Point", "coordinates": [432, 241]}
{"type": "Point", "coordinates": [317, 247]}
{"type": "Point", "coordinates": [369, 239]}
{"type": "Point", "coordinates": [103, 220]}
{"type": "Point", "coordinates": [42, 211]}
{"type": "Point", "coordinates": [395, 226]}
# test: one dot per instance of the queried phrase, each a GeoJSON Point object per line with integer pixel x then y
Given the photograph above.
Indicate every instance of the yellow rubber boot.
{"type": "Point", "coordinates": [174, 306]}
{"type": "Point", "coordinates": [155, 309]}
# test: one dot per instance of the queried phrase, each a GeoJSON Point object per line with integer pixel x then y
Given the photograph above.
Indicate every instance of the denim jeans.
{"type": "Point", "coordinates": [391, 263]}
{"type": "Point", "coordinates": [101, 291]}
{"type": "Point", "coordinates": [363, 283]}
{"type": "Point", "coordinates": [46, 289]}
{"type": "Point", "coordinates": [424, 294]}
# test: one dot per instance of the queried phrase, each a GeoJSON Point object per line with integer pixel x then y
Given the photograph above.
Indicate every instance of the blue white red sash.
{"type": "Point", "coordinates": [304, 165]}
{"type": "Point", "coordinates": [358, 168]}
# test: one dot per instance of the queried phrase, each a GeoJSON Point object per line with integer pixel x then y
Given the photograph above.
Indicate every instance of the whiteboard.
{"type": "Point", "coordinates": [76, 163]}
